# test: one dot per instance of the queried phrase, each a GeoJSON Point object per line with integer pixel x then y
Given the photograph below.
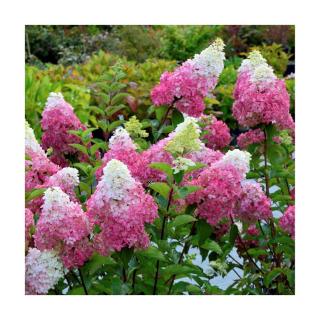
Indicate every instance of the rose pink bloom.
{"type": "Point", "coordinates": [120, 208]}
{"type": "Point", "coordinates": [221, 189]}
{"type": "Point", "coordinates": [264, 103]}
{"type": "Point", "coordinates": [218, 135]}
{"type": "Point", "coordinates": [287, 221]}
{"type": "Point", "coordinates": [185, 88]}
{"type": "Point", "coordinates": [250, 137]}
{"type": "Point", "coordinates": [253, 203]}
{"type": "Point", "coordinates": [62, 225]}
{"type": "Point", "coordinates": [58, 118]}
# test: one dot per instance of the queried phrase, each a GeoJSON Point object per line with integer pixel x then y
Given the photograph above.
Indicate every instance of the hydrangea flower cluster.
{"type": "Point", "coordinates": [66, 179]}
{"type": "Point", "coordinates": [237, 158]}
{"type": "Point", "coordinates": [57, 119]}
{"type": "Point", "coordinates": [221, 190]}
{"type": "Point", "coordinates": [62, 224]}
{"type": "Point", "coordinates": [185, 138]}
{"type": "Point", "coordinates": [134, 128]}
{"type": "Point", "coordinates": [245, 139]}
{"type": "Point", "coordinates": [190, 83]}
{"type": "Point", "coordinates": [253, 205]}
{"type": "Point", "coordinates": [38, 167]}
{"type": "Point", "coordinates": [182, 164]}
{"type": "Point", "coordinates": [43, 271]}
{"type": "Point", "coordinates": [287, 221]}
{"type": "Point", "coordinates": [122, 148]}
{"type": "Point", "coordinates": [120, 208]}
{"type": "Point", "coordinates": [260, 98]}
{"type": "Point", "coordinates": [218, 135]}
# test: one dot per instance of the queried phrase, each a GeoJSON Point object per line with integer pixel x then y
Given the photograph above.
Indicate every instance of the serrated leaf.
{"type": "Point", "coordinates": [161, 187]}
{"type": "Point", "coordinates": [35, 193]}
{"type": "Point", "coordinates": [162, 166]}
{"type": "Point", "coordinates": [79, 147]}
{"type": "Point", "coordinates": [183, 192]}
{"type": "Point", "coordinates": [153, 253]}
{"type": "Point", "coordinates": [273, 274]}
{"type": "Point", "coordinates": [212, 246]}
{"type": "Point", "coordinates": [182, 220]}
{"type": "Point", "coordinates": [118, 98]}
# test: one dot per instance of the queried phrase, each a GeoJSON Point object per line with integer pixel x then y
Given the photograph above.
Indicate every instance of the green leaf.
{"type": "Point", "coordinates": [204, 230]}
{"type": "Point", "coordinates": [118, 98]}
{"type": "Point", "coordinates": [76, 291]}
{"type": "Point", "coordinates": [256, 252]}
{"type": "Point", "coordinates": [162, 166]}
{"type": "Point", "coordinates": [233, 234]}
{"type": "Point", "coordinates": [198, 165]}
{"type": "Point", "coordinates": [79, 147]}
{"type": "Point", "coordinates": [96, 262]}
{"type": "Point", "coordinates": [182, 192]}
{"type": "Point", "coordinates": [84, 167]}
{"type": "Point", "coordinates": [35, 193]}
{"type": "Point", "coordinates": [183, 219]}
{"type": "Point", "coordinates": [153, 253]}
{"type": "Point", "coordinates": [273, 274]}
{"type": "Point", "coordinates": [193, 289]}
{"type": "Point", "coordinates": [177, 117]}
{"type": "Point", "coordinates": [115, 124]}
{"type": "Point", "coordinates": [114, 109]}
{"type": "Point", "coordinates": [178, 176]}
{"type": "Point", "coordinates": [160, 112]}
{"type": "Point", "coordinates": [212, 246]}
{"type": "Point", "coordinates": [161, 187]}
{"type": "Point", "coordinates": [176, 269]}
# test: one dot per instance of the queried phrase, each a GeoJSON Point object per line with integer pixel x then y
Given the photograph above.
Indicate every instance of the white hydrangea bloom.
{"type": "Point", "coordinates": [117, 177]}
{"type": "Point", "coordinates": [209, 63]}
{"type": "Point", "coordinates": [31, 143]}
{"type": "Point", "coordinates": [182, 164]}
{"type": "Point", "coordinates": [43, 270]}
{"type": "Point", "coordinates": [239, 159]}
{"type": "Point", "coordinates": [54, 99]}
{"type": "Point", "coordinates": [188, 121]}
{"type": "Point", "coordinates": [121, 137]}
{"type": "Point", "coordinates": [258, 68]}
{"type": "Point", "coordinates": [67, 175]}
{"type": "Point", "coordinates": [54, 197]}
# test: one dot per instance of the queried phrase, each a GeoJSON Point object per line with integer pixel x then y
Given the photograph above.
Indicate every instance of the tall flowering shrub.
{"type": "Point", "coordinates": [177, 198]}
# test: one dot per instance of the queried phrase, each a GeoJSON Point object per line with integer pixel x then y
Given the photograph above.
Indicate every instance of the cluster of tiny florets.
{"type": "Point", "coordinates": [261, 98]}
{"type": "Point", "coordinates": [58, 118]}
{"type": "Point", "coordinates": [245, 139]}
{"type": "Point", "coordinates": [43, 270]}
{"type": "Point", "coordinates": [287, 221]}
{"type": "Point", "coordinates": [189, 84]}
{"type": "Point", "coordinates": [218, 135]}
{"type": "Point", "coordinates": [120, 207]}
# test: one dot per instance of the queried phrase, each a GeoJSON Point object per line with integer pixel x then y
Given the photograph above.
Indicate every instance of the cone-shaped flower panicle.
{"type": "Point", "coordinates": [287, 221]}
{"type": "Point", "coordinates": [120, 208]}
{"type": "Point", "coordinates": [43, 270]}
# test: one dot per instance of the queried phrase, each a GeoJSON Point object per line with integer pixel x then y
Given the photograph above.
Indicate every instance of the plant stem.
{"type": "Point", "coordinates": [185, 249]}
{"type": "Point", "coordinates": [265, 152]}
{"type": "Point", "coordinates": [245, 248]}
{"type": "Point", "coordinates": [161, 237]}
{"type": "Point", "coordinates": [134, 280]}
{"type": "Point", "coordinates": [82, 282]}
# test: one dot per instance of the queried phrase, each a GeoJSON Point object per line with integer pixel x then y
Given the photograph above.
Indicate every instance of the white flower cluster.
{"type": "Point", "coordinates": [182, 164]}
{"type": "Point", "coordinates": [209, 63]}
{"type": "Point", "coordinates": [258, 68]}
{"type": "Point", "coordinates": [187, 122]}
{"type": "Point", "coordinates": [43, 271]}
{"type": "Point", "coordinates": [239, 159]}
{"type": "Point", "coordinates": [31, 143]}
{"type": "Point", "coordinates": [68, 176]}
{"type": "Point", "coordinates": [117, 177]}
{"type": "Point", "coordinates": [54, 99]}
{"type": "Point", "coordinates": [54, 198]}
{"type": "Point", "coordinates": [122, 138]}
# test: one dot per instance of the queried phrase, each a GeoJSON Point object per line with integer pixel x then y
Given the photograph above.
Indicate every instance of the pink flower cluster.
{"type": "Point", "coordinates": [184, 88]}
{"type": "Point", "coordinates": [261, 98]}
{"type": "Point", "coordinates": [218, 135]}
{"type": "Point", "coordinates": [221, 189]}
{"type": "Point", "coordinates": [122, 148]}
{"type": "Point", "coordinates": [63, 226]}
{"type": "Point", "coordinates": [245, 139]}
{"type": "Point", "coordinates": [253, 203]}
{"type": "Point", "coordinates": [287, 221]}
{"type": "Point", "coordinates": [120, 208]}
{"type": "Point", "coordinates": [57, 119]}
{"type": "Point", "coordinates": [189, 84]}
